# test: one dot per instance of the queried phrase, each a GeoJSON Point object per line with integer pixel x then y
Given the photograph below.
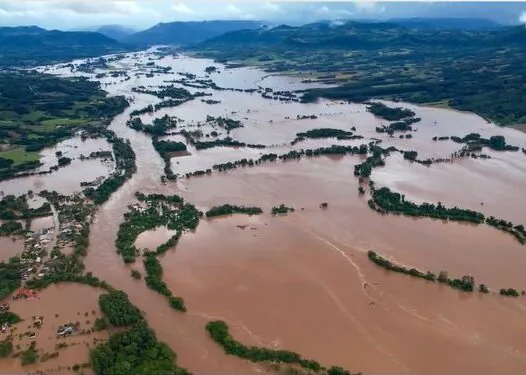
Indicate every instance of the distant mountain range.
{"type": "Point", "coordinates": [364, 36]}
{"type": "Point", "coordinates": [184, 33]}
{"type": "Point", "coordinates": [116, 32]}
{"type": "Point", "coordinates": [32, 45]}
{"type": "Point", "coordinates": [468, 24]}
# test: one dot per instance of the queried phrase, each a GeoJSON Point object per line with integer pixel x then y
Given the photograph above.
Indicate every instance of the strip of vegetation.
{"type": "Point", "coordinates": [154, 281]}
{"type": "Point", "coordinates": [465, 284]}
{"type": "Point", "coordinates": [475, 142]}
{"type": "Point", "coordinates": [384, 200]}
{"type": "Point", "coordinates": [125, 167]}
{"type": "Point", "coordinates": [291, 155]}
{"type": "Point", "coordinates": [226, 142]}
{"type": "Point", "coordinates": [229, 209]}
{"type": "Point", "coordinates": [219, 332]}
{"type": "Point", "coordinates": [365, 168]}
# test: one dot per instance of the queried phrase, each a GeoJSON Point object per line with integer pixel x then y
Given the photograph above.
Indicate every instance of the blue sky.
{"type": "Point", "coordinates": [70, 14]}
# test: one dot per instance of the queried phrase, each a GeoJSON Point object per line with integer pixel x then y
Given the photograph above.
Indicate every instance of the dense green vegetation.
{"type": "Point", "coordinates": [224, 122]}
{"type": "Point", "coordinates": [509, 292]}
{"type": "Point", "coordinates": [390, 114]}
{"type": "Point", "coordinates": [6, 347]}
{"type": "Point", "coordinates": [465, 284]}
{"type": "Point", "coordinates": [219, 332]}
{"type": "Point", "coordinates": [163, 147]}
{"type": "Point", "coordinates": [11, 228]}
{"type": "Point", "coordinates": [159, 126]}
{"type": "Point", "coordinates": [365, 168]}
{"type": "Point", "coordinates": [38, 110]}
{"type": "Point", "coordinates": [475, 142]}
{"type": "Point", "coordinates": [281, 210]}
{"type": "Point", "coordinates": [30, 355]}
{"type": "Point", "coordinates": [118, 309]}
{"type": "Point", "coordinates": [390, 61]}
{"type": "Point", "coordinates": [9, 317]}
{"type": "Point", "coordinates": [17, 208]}
{"type": "Point", "coordinates": [134, 351]}
{"type": "Point", "coordinates": [136, 274]}
{"type": "Point", "coordinates": [384, 200]}
{"type": "Point", "coordinates": [325, 133]}
{"type": "Point", "coordinates": [9, 277]}
{"type": "Point", "coordinates": [229, 209]}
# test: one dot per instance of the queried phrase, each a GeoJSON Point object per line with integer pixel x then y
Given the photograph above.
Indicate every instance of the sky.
{"type": "Point", "coordinates": [141, 14]}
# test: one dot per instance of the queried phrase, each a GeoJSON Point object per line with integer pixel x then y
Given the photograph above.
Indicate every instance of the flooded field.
{"type": "Point", "coordinates": [55, 307]}
{"type": "Point", "coordinates": [302, 282]}
{"type": "Point", "coordinates": [66, 180]}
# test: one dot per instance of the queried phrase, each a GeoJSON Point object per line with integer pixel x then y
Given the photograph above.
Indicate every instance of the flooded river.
{"type": "Point", "coordinates": [303, 282]}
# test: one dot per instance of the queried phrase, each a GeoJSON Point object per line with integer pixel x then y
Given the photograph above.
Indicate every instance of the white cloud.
{"type": "Point", "coordinates": [323, 9]}
{"type": "Point", "coordinates": [232, 9]}
{"type": "Point", "coordinates": [368, 6]}
{"type": "Point", "coordinates": [235, 12]}
{"type": "Point", "coordinates": [271, 7]}
{"type": "Point", "coordinates": [183, 8]}
{"type": "Point", "coordinates": [522, 18]}
{"type": "Point", "coordinates": [50, 7]}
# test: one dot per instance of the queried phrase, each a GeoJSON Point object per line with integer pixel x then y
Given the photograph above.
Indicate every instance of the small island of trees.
{"type": "Point", "coordinates": [229, 209]}
{"type": "Point", "coordinates": [465, 284]}
{"type": "Point", "coordinates": [281, 210]}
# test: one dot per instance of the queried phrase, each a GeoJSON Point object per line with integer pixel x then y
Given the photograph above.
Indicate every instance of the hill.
{"type": "Point", "coordinates": [468, 24]}
{"type": "Point", "coordinates": [185, 33]}
{"type": "Point", "coordinates": [116, 32]}
{"type": "Point", "coordinates": [31, 45]}
{"type": "Point", "coordinates": [477, 70]}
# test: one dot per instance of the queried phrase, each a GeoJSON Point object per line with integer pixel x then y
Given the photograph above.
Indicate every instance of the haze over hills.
{"type": "Point", "coordinates": [183, 33]}
{"type": "Point", "coordinates": [116, 32]}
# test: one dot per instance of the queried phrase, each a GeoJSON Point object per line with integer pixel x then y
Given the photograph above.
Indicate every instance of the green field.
{"type": "Point", "coordinates": [39, 110]}
{"type": "Point", "coordinates": [19, 155]}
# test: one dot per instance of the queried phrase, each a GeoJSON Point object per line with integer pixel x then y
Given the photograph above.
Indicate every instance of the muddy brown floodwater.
{"type": "Point", "coordinates": [303, 282]}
